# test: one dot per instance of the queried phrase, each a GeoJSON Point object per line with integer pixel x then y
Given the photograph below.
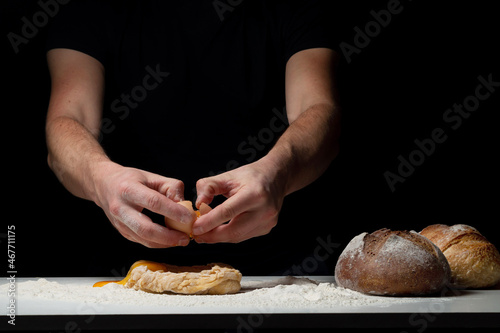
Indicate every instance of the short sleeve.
{"type": "Point", "coordinates": [307, 24]}
{"type": "Point", "coordinates": [81, 26]}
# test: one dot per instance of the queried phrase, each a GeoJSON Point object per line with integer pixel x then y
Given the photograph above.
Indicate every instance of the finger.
{"type": "Point", "coordinates": [173, 189]}
{"type": "Point", "coordinates": [148, 233]}
{"type": "Point", "coordinates": [208, 188]}
{"type": "Point", "coordinates": [129, 235]}
{"type": "Point", "coordinates": [135, 239]}
{"type": "Point", "coordinates": [241, 228]}
{"type": "Point", "coordinates": [229, 209]}
{"type": "Point", "coordinates": [233, 232]}
{"type": "Point", "coordinates": [124, 231]}
{"type": "Point", "coordinates": [145, 197]}
{"type": "Point", "coordinates": [153, 245]}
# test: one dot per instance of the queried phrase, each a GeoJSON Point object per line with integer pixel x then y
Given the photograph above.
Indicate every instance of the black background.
{"type": "Point", "coordinates": [394, 91]}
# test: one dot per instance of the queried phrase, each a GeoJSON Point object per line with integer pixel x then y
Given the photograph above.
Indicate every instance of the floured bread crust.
{"type": "Point", "coordinates": [212, 279]}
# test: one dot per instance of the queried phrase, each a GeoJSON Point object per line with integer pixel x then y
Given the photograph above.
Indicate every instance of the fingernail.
{"type": "Point", "coordinates": [199, 240]}
{"type": "Point", "coordinates": [197, 204]}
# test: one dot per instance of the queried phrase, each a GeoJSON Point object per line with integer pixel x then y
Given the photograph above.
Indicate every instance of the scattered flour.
{"type": "Point", "coordinates": [284, 293]}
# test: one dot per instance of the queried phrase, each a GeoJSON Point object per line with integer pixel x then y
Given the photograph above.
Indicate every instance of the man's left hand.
{"type": "Point", "coordinates": [254, 198]}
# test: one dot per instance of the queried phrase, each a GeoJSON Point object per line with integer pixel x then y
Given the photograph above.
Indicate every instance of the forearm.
{"type": "Point", "coordinates": [306, 148]}
{"type": "Point", "coordinates": [73, 153]}
{"type": "Point", "coordinates": [255, 191]}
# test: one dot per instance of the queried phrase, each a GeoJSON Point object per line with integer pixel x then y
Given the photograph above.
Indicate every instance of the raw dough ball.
{"type": "Point", "coordinates": [389, 262]}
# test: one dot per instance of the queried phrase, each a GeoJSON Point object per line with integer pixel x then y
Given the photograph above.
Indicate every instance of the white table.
{"type": "Point", "coordinates": [468, 308]}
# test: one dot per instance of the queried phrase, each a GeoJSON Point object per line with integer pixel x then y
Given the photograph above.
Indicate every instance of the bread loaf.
{"type": "Point", "coordinates": [389, 262]}
{"type": "Point", "coordinates": [474, 261]}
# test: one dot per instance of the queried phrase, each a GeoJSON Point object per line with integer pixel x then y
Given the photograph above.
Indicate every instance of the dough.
{"type": "Point", "coordinates": [212, 279]}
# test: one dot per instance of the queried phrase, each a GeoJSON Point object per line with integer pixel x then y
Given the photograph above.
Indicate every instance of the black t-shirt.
{"type": "Point", "coordinates": [195, 88]}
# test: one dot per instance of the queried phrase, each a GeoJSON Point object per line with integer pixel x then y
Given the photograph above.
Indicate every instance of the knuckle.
{"type": "Point", "coordinates": [261, 194]}
{"type": "Point", "coordinates": [125, 189]}
{"type": "Point", "coordinates": [204, 185]}
{"type": "Point", "coordinates": [174, 188]}
{"type": "Point", "coordinates": [226, 212]}
{"type": "Point", "coordinates": [154, 202]}
{"type": "Point", "coordinates": [178, 185]}
{"type": "Point", "coordinates": [201, 183]}
{"type": "Point", "coordinates": [143, 230]}
{"type": "Point", "coordinates": [115, 209]}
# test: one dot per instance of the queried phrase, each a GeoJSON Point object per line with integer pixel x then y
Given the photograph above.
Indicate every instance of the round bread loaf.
{"type": "Point", "coordinates": [389, 262]}
{"type": "Point", "coordinates": [474, 261]}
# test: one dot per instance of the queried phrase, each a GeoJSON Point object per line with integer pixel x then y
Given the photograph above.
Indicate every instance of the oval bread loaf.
{"type": "Point", "coordinates": [474, 261]}
{"type": "Point", "coordinates": [389, 262]}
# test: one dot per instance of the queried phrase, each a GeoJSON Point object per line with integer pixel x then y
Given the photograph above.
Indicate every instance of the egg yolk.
{"type": "Point", "coordinates": [151, 265]}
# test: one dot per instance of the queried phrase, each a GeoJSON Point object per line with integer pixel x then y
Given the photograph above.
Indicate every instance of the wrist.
{"type": "Point", "coordinates": [96, 173]}
{"type": "Point", "coordinates": [280, 165]}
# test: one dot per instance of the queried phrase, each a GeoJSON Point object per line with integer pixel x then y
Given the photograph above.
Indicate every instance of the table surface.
{"type": "Point", "coordinates": [462, 308]}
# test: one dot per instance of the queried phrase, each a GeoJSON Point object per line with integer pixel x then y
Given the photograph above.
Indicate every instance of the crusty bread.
{"type": "Point", "coordinates": [389, 262]}
{"type": "Point", "coordinates": [474, 261]}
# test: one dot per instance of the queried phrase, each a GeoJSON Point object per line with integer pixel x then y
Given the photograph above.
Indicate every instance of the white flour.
{"type": "Point", "coordinates": [401, 249]}
{"type": "Point", "coordinates": [355, 246]}
{"type": "Point", "coordinates": [285, 293]}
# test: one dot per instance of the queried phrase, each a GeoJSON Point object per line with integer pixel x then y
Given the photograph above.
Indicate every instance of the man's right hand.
{"type": "Point", "coordinates": [124, 192]}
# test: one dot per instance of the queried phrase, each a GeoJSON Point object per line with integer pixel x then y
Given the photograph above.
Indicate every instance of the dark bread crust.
{"type": "Point", "coordinates": [376, 240]}
{"type": "Point", "coordinates": [389, 262]}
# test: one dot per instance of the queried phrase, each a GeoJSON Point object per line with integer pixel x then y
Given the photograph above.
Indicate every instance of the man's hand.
{"type": "Point", "coordinates": [124, 192]}
{"type": "Point", "coordinates": [256, 191]}
{"type": "Point", "coordinates": [82, 166]}
{"type": "Point", "coordinates": [254, 198]}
